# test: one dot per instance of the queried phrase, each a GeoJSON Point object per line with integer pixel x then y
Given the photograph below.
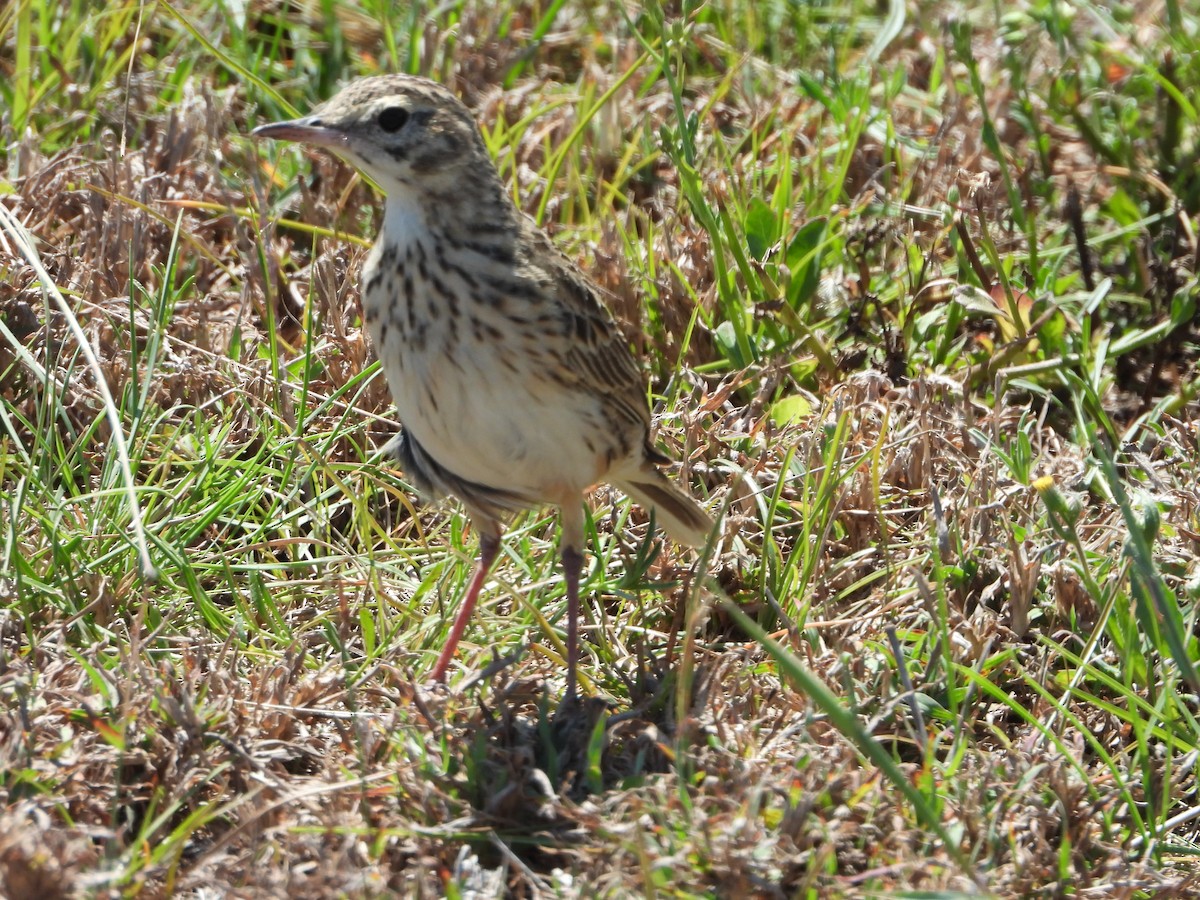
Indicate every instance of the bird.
{"type": "Point", "coordinates": [513, 383]}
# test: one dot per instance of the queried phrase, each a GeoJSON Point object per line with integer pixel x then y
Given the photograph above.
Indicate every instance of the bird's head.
{"type": "Point", "coordinates": [407, 133]}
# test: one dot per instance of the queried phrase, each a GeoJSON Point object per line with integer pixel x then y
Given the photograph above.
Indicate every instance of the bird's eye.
{"type": "Point", "coordinates": [393, 118]}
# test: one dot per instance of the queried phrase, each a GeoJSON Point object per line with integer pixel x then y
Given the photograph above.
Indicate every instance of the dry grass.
{"type": "Point", "coordinates": [916, 497]}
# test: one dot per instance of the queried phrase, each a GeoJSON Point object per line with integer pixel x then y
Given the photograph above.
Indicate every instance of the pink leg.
{"type": "Point", "coordinates": [572, 561]}
{"type": "Point", "coordinates": [489, 544]}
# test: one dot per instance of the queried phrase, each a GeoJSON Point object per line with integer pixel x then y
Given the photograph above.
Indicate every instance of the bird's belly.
{"type": "Point", "coordinates": [492, 423]}
{"type": "Point", "coordinates": [473, 386]}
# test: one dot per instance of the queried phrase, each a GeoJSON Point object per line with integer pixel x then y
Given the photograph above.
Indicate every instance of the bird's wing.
{"type": "Point", "coordinates": [598, 354]}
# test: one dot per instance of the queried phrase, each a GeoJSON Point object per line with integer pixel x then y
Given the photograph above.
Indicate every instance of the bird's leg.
{"type": "Point", "coordinates": [489, 545]}
{"type": "Point", "coordinates": [572, 561]}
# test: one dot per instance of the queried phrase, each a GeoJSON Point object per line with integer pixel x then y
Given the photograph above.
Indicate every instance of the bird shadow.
{"type": "Point", "coordinates": [531, 768]}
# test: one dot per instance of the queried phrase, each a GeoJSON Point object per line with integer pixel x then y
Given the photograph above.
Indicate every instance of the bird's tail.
{"type": "Point", "coordinates": [675, 512]}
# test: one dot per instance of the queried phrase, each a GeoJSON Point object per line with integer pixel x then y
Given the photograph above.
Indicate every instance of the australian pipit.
{"type": "Point", "coordinates": [512, 381]}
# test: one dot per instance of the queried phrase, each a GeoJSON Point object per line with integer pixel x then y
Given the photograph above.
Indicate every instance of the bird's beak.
{"type": "Point", "coordinates": [303, 131]}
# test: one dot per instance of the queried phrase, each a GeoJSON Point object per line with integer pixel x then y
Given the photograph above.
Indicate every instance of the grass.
{"type": "Point", "coordinates": [916, 290]}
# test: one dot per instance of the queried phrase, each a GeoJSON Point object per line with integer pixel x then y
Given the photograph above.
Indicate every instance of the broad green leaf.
{"type": "Point", "coordinates": [804, 260]}
{"type": "Point", "coordinates": [790, 409]}
{"type": "Point", "coordinates": [762, 228]}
